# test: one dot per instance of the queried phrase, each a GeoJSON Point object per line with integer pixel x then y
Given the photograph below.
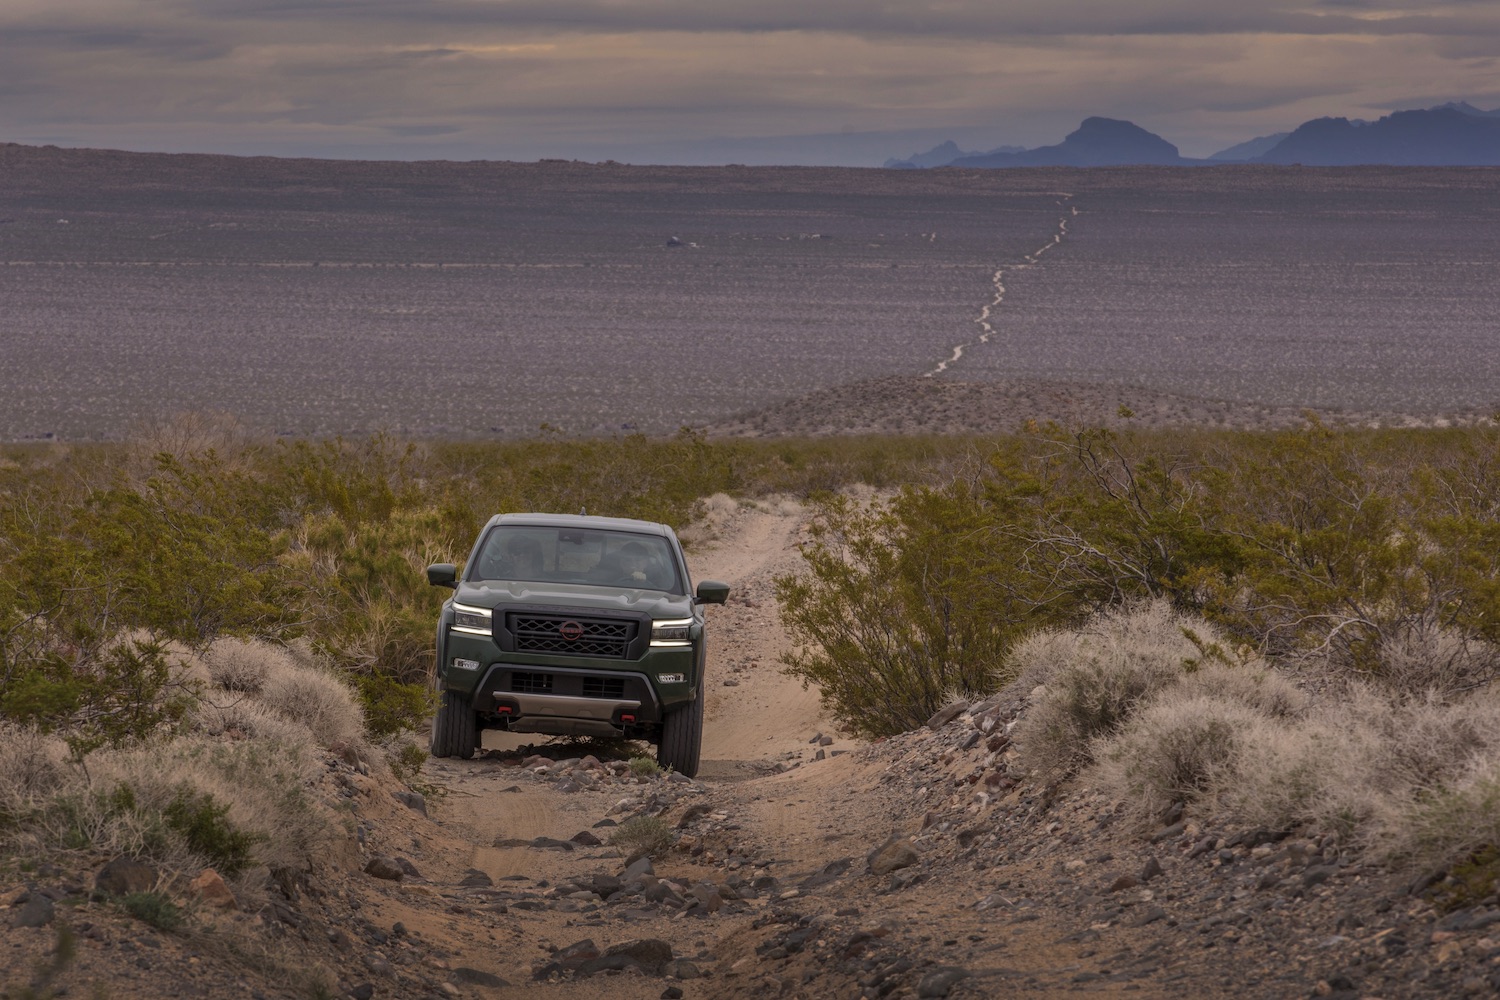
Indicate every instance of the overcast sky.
{"type": "Point", "coordinates": [692, 80]}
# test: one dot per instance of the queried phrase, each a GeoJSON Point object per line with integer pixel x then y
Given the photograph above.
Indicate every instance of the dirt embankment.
{"type": "Point", "coordinates": [801, 867]}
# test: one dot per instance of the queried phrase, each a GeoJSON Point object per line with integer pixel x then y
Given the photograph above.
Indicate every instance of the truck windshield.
{"type": "Point", "coordinates": [537, 554]}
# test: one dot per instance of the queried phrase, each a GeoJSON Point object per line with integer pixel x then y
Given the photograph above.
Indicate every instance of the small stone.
{"type": "Point", "coordinates": [894, 854]}
{"type": "Point", "coordinates": [124, 875]}
{"type": "Point", "coordinates": [671, 993]}
{"type": "Point", "coordinates": [476, 879]}
{"type": "Point", "coordinates": [414, 801]}
{"type": "Point", "coordinates": [947, 714]}
{"type": "Point", "coordinates": [1175, 830]}
{"type": "Point", "coordinates": [384, 868]}
{"type": "Point", "coordinates": [940, 981]}
{"type": "Point", "coordinates": [1150, 870]}
{"type": "Point", "coordinates": [637, 868]}
{"type": "Point", "coordinates": [1149, 915]}
{"type": "Point", "coordinates": [407, 868]}
{"type": "Point", "coordinates": [653, 953]}
{"type": "Point", "coordinates": [209, 886]}
{"type": "Point", "coordinates": [378, 964]}
{"type": "Point", "coordinates": [37, 912]}
{"type": "Point", "coordinates": [476, 977]}
{"type": "Point", "coordinates": [362, 991]}
{"type": "Point", "coordinates": [1124, 882]}
{"type": "Point", "coordinates": [1317, 875]}
{"type": "Point", "coordinates": [825, 741]}
{"type": "Point", "coordinates": [551, 844]}
{"type": "Point", "coordinates": [584, 838]}
{"type": "Point", "coordinates": [682, 969]}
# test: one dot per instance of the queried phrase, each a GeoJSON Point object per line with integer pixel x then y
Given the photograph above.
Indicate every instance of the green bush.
{"type": "Point", "coordinates": [905, 602]}
{"type": "Point", "coordinates": [202, 823]}
{"type": "Point", "coordinates": [153, 908]}
{"type": "Point", "coordinates": [644, 767]}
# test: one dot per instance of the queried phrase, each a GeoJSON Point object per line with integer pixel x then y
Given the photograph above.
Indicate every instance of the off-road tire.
{"type": "Point", "coordinates": [455, 732]}
{"type": "Point", "coordinates": [682, 739]}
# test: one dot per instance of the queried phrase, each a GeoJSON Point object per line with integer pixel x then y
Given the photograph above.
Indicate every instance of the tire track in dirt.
{"type": "Point", "coordinates": [986, 328]}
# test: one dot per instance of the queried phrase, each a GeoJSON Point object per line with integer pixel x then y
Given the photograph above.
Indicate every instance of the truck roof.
{"type": "Point", "coordinates": [583, 521]}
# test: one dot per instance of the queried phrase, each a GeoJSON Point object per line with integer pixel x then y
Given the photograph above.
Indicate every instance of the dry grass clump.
{"type": "Point", "coordinates": [32, 763]}
{"type": "Point", "coordinates": [1421, 657]}
{"type": "Point", "coordinates": [1412, 781]}
{"type": "Point", "coordinates": [239, 717]}
{"type": "Point", "coordinates": [642, 836]}
{"type": "Point", "coordinates": [1268, 691]}
{"type": "Point", "coordinates": [1183, 747]}
{"type": "Point", "coordinates": [192, 803]}
{"type": "Point", "coordinates": [1094, 679]}
{"type": "Point", "coordinates": [316, 699]}
{"type": "Point", "coordinates": [244, 665]}
{"type": "Point", "coordinates": [1165, 716]}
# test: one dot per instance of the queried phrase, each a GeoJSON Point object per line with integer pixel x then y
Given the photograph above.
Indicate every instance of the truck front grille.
{"type": "Point", "coordinates": [562, 635]}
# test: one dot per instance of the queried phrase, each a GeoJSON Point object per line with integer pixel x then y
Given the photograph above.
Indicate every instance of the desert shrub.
{"type": "Point", "coordinates": [644, 767]}
{"type": "Point", "coordinates": [241, 717]}
{"type": "Point", "coordinates": [906, 600]}
{"type": "Point", "coordinates": [30, 759]}
{"type": "Point", "coordinates": [242, 664]}
{"type": "Point", "coordinates": [642, 836]}
{"type": "Point", "coordinates": [1453, 822]}
{"type": "Point", "coordinates": [153, 908]}
{"type": "Point", "coordinates": [406, 760]}
{"type": "Point", "coordinates": [202, 823]}
{"type": "Point", "coordinates": [185, 436]}
{"type": "Point", "coordinates": [1253, 684]}
{"type": "Point", "coordinates": [1418, 657]}
{"type": "Point", "coordinates": [242, 806]}
{"type": "Point", "coordinates": [1181, 748]}
{"type": "Point", "coordinates": [124, 693]}
{"type": "Point", "coordinates": [391, 707]}
{"type": "Point", "coordinates": [1093, 679]}
{"type": "Point", "coordinates": [317, 700]}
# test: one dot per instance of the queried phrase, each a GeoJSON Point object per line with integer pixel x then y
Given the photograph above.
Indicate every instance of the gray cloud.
{"type": "Point", "coordinates": [527, 78]}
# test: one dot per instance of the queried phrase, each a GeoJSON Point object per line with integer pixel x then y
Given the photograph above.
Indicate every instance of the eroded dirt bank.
{"type": "Point", "coordinates": [802, 867]}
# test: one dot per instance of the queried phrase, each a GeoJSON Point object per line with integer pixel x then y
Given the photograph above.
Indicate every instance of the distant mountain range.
{"type": "Point", "coordinates": [1453, 134]}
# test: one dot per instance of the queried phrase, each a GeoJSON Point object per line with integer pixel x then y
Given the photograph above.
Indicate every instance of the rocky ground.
{"type": "Point", "coordinates": [918, 405]}
{"type": "Point", "coordinates": [799, 864]}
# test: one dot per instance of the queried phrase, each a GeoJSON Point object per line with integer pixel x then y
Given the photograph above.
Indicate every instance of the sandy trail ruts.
{"type": "Point", "coordinates": [986, 328]}
{"type": "Point", "coordinates": [755, 715]}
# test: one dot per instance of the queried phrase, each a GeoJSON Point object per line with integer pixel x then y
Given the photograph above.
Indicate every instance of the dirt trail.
{"type": "Point", "coordinates": [758, 722]}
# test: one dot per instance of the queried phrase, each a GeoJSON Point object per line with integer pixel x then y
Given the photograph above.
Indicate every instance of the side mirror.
{"type": "Point", "coordinates": [443, 575]}
{"type": "Point", "coordinates": [712, 592]}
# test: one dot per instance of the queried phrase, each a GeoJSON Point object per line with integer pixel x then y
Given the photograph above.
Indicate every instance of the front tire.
{"type": "Point", "coordinates": [682, 738]}
{"type": "Point", "coordinates": [455, 732]}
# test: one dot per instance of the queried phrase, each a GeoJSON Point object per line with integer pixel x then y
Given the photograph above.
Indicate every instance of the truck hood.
{"type": "Point", "coordinates": [497, 595]}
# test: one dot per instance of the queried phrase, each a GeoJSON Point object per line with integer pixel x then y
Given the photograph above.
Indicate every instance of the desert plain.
{"type": "Point", "coordinates": [316, 297]}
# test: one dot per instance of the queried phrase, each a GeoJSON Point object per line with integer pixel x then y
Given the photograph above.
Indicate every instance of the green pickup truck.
{"type": "Point", "coordinates": [569, 625]}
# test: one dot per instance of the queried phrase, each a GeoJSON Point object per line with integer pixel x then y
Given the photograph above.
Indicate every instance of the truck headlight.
{"type": "Point", "coordinates": [671, 632]}
{"type": "Point", "coordinates": [475, 621]}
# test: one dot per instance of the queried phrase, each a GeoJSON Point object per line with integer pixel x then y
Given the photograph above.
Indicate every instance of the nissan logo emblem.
{"type": "Point", "coordinates": [570, 631]}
